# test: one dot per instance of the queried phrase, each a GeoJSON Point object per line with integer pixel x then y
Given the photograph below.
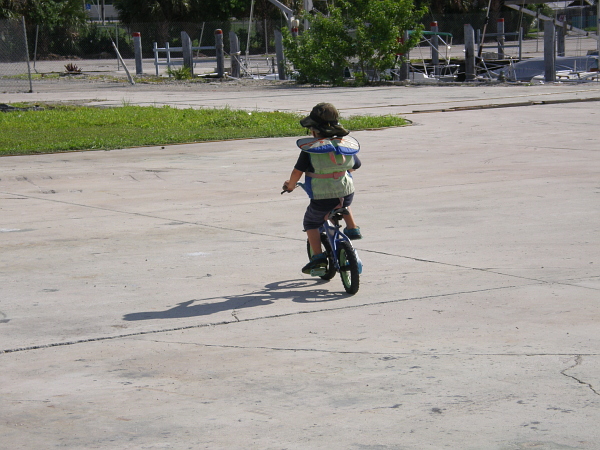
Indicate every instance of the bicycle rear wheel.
{"type": "Point", "coordinates": [349, 268]}
{"type": "Point", "coordinates": [330, 270]}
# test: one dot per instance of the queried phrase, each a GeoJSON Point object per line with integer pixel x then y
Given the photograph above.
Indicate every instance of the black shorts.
{"type": "Point", "coordinates": [318, 209]}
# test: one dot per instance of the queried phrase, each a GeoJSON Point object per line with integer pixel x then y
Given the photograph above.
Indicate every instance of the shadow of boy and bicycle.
{"type": "Point", "coordinates": [299, 291]}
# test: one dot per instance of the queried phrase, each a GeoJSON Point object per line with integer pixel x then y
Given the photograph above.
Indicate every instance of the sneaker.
{"type": "Point", "coordinates": [353, 233]}
{"type": "Point", "coordinates": [316, 262]}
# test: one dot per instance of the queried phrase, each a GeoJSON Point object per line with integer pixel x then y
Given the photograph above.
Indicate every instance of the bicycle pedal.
{"type": "Point", "coordinates": [318, 272]}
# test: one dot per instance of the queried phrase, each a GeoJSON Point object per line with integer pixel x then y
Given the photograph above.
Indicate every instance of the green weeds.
{"type": "Point", "coordinates": [72, 128]}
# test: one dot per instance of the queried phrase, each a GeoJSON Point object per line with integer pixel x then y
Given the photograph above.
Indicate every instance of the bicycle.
{"type": "Point", "coordinates": [342, 257]}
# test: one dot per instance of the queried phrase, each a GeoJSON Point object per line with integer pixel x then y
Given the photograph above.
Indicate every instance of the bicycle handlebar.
{"type": "Point", "coordinates": [286, 191]}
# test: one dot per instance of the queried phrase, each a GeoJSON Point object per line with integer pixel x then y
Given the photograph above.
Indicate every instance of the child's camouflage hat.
{"type": "Point", "coordinates": [324, 118]}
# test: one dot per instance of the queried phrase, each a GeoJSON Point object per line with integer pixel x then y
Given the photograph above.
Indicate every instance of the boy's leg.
{"type": "Point", "coordinates": [349, 219]}
{"type": "Point", "coordinates": [319, 259]}
{"type": "Point", "coordinates": [352, 230]}
{"type": "Point", "coordinates": [314, 239]}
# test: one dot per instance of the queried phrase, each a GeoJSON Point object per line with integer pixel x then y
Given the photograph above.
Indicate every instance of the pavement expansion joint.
{"type": "Point", "coordinates": [507, 105]}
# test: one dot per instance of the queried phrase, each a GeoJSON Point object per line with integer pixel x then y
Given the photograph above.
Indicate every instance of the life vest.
{"type": "Point", "coordinates": [331, 159]}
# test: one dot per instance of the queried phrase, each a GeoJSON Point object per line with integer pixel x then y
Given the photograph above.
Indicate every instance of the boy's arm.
{"type": "Point", "coordinates": [295, 176]}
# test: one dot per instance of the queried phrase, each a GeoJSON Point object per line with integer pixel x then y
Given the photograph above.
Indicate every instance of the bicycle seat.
{"type": "Point", "coordinates": [338, 213]}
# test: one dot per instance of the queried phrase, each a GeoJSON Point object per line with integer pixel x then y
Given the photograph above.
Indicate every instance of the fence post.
{"type": "Point", "coordinates": [435, 55]}
{"type": "Point", "coordinates": [469, 52]}
{"type": "Point", "coordinates": [549, 56]}
{"type": "Point", "coordinates": [117, 41]}
{"type": "Point", "coordinates": [220, 53]}
{"type": "Point", "coordinates": [234, 51]}
{"type": "Point", "coordinates": [500, 37]}
{"type": "Point", "coordinates": [279, 55]}
{"type": "Point", "coordinates": [560, 38]}
{"type": "Point", "coordinates": [137, 48]}
{"type": "Point", "coordinates": [520, 43]}
{"type": "Point", "coordinates": [168, 50]}
{"type": "Point", "coordinates": [154, 49]}
{"type": "Point", "coordinates": [186, 49]}
{"type": "Point", "coordinates": [27, 54]}
{"type": "Point", "coordinates": [404, 67]}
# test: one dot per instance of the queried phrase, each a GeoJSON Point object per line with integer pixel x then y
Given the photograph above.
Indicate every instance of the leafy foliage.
{"type": "Point", "coordinates": [62, 13]}
{"type": "Point", "coordinates": [379, 25]}
{"type": "Point", "coordinates": [72, 68]}
{"type": "Point", "coordinates": [365, 32]}
{"type": "Point", "coordinates": [181, 73]}
{"type": "Point", "coordinates": [320, 54]}
{"type": "Point", "coordinates": [7, 9]}
{"type": "Point", "coordinates": [132, 11]}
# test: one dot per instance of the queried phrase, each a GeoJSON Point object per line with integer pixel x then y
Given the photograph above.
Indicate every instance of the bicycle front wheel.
{"type": "Point", "coordinates": [349, 269]}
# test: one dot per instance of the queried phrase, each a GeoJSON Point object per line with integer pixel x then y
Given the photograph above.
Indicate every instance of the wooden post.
{"type": "Point", "coordinates": [500, 37]}
{"type": "Point", "coordinates": [220, 53]}
{"type": "Point", "coordinates": [234, 51]}
{"type": "Point", "coordinates": [186, 49]}
{"type": "Point", "coordinates": [137, 49]}
{"type": "Point", "coordinates": [404, 67]}
{"type": "Point", "coordinates": [280, 56]}
{"type": "Point", "coordinates": [469, 52]}
{"type": "Point", "coordinates": [561, 33]}
{"type": "Point", "coordinates": [549, 52]}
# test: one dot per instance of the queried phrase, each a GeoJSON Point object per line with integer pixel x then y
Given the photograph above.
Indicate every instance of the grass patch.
{"type": "Point", "coordinates": [74, 128]}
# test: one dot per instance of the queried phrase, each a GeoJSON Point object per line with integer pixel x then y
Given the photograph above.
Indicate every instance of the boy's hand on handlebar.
{"type": "Point", "coordinates": [287, 187]}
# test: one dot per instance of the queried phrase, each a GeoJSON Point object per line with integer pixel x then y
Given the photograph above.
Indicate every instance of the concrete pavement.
{"type": "Point", "coordinates": [152, 297]}
{"type": "Point", "coordinates": [285, 96]}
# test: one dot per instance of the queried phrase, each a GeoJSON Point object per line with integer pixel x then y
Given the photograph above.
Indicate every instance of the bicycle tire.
{"type": "Point", "coordinates": [330, 271]}
{"type": "Point", "coordinates": [349, 269]}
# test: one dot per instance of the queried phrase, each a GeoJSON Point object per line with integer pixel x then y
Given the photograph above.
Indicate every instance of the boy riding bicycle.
{"type": "Point", "coordinates": [326, 160]}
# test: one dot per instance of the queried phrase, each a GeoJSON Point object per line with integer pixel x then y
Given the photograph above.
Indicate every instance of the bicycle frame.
{"type": "Point", "coordinates": [342, 257]}
{"type": "Point", "coordinates": [331, 229]}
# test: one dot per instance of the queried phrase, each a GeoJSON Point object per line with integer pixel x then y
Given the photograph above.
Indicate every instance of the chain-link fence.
{"type": "Point", "coordinates": [89, 47]}
{"type": "Point", "coordinates": [14, 63]}
{"type": "Point", "coordinates": [53, 48]}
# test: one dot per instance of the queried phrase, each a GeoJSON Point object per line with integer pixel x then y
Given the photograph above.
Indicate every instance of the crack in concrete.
{"type": "Point", "coordinates": [537, 280]}
{"type": "Point", "coordinates": [251, 319]}
{"type": "Point", "coordinates": [355, 352]}
{"type": "Point", "coordinates": [578, 361]}
{"type": "Point", "coordinates": [509, 105]}
{"type": "Point", "coordinates": [302, 240]}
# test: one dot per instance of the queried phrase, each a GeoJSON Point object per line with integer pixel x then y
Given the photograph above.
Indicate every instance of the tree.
{"type": "Point", "coordinates": [379, 24]}
{"type": "Point", "coordinates": [52, 13]}
{"type": "Point", "coordinates": [136, 11]}
{"type": "Point", "coordinates": [61, 20]}
{"type": "Point", "coordinates": [321, 53]}
{"type": "Point", "coordinates": [365, 32]}
{"type": "Point", "coordinates": [7, 9]}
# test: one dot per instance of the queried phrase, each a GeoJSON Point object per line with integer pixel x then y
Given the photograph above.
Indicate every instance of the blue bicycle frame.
{"type": "Point", "coordinates": [342, 257]}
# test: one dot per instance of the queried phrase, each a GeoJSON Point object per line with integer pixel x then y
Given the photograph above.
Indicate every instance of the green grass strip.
{"type": "Point", "coordinates": [70, 128]}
